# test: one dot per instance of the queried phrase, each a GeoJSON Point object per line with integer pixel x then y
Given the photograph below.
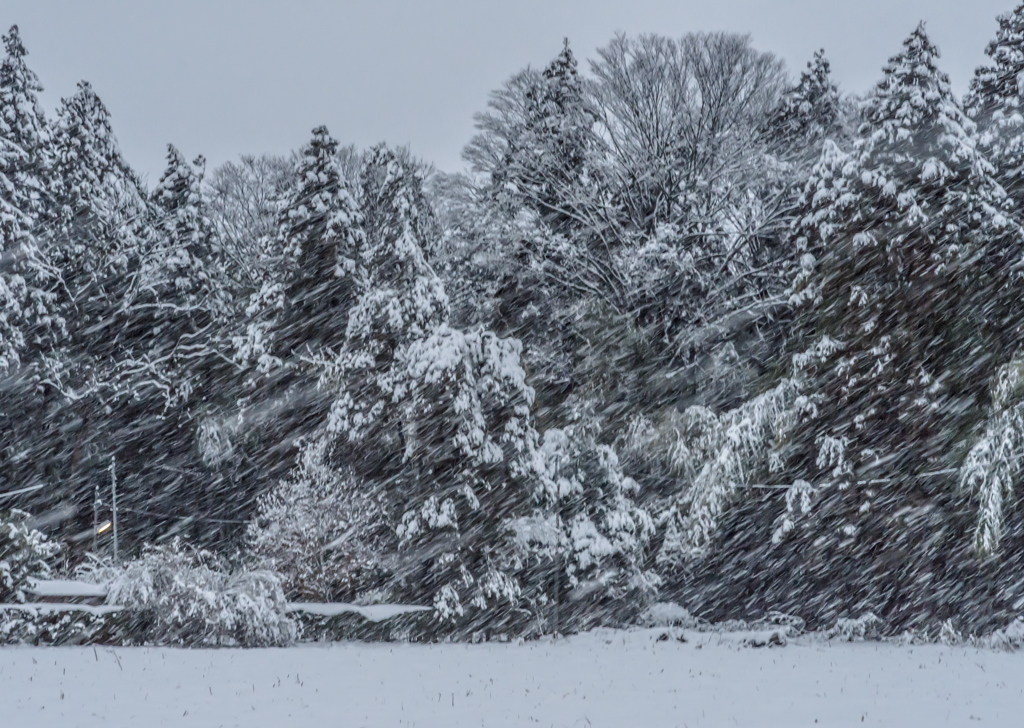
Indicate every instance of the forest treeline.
{"type": "Point", "coordinates": [685, 328]}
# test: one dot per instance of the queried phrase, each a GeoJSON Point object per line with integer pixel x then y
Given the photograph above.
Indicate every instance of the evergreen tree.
{"type": "Point", "coordinates": [25, 555]}
{"type": "Point", "coordinates": [809, 112]}
{"type": "Point", "coordinates": [297, 317]}
{"type": "Point", "coordinates": [907, 309]}
{"type": "Point", "coordinates": [177, 295]}
{"type": "Point", "coordinates": [99, 199]}
{"type": "Point", "coordinates": [25, 277]}
{"type": "Point", "coordinates": [545, 156]}
{"type": "Point", "coordinates": [171, 365]}
{"type": "Point", "coordinates": [995, 99]}
{"type": "Point", "coordinates": [31, 322]}
{"type": "Point", "coordinates": [592, 534]}
{"type": "Point", "coordinates": [180, 265]}
{"type": "Point", "coordinates": [23, 125]}
{"type": "Point", "coordinates": [439, 417]}
{"type": "Point", "coordinates": [321, 234]}
{"type": "Point", "coordinates": [908, 228]}
{"type": "Point", "coordinates": [16, 241]}
{"type": "Point", "coordinates": [63, 427]}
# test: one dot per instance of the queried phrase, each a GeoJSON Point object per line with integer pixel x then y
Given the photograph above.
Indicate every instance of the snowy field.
{"type": "Point", "coordinates": [601, 679]}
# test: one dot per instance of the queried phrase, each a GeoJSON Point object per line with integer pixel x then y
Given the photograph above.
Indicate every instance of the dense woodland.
{"type": "Point", "coordinates": [685, 329]}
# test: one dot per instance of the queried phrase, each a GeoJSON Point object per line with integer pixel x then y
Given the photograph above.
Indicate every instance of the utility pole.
{"type": "Point", "coordinates": [113, 499]}
{"type": "Point", "coordinates": [95, 512]}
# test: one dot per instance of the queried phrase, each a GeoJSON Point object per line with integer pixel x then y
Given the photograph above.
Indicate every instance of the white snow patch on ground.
{"type": "Point", "coordinates": [601, 679]}
{"type": "Point", "coordinates": [372, 612]}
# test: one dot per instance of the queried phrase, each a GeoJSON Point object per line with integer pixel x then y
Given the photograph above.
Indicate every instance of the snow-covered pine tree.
{"type": "Point", "coordinates": [26, 280]}
{"type": "Point", "coordinates": [402, 300]}
{"type": "Point", "coordinates": [439, 418]}
{"type": "Point", "coordinates": [996, 100]}
{"type": "Point", "coordinates": [61, 426]}
{"type": "Point", "coordinates": [31, 320]}
{"type": "Point", "coordinates": [558, 142]}
{"type": "Point", "coordinates": [906, 306]}
{"type": "Point", "coordinates": [177, 294]}
{"type": "Point", "coordinates": [180, 268]}
{"type": "Point", "coordinates": [320, 226]}
{"type": "Point", "coordinates": [25, 555]}
{"type": "Point", "coordinates": [99, 201]}
{"type": "Point", "coordinates": [297, 316]}
{"type": "Point", "coordinates": [24, 125]}
{"type": "Point", "coordinates": [809, 112]}
{"type": "Point", "coordinates": [543, 153]}
{"type": "Point", "coordinates": [590, 532]}
{"type": "Point", "coordinates": [908, 230]}
{"type": "Point", "coordinates": [172, 364]}
{"type": "Point", "coordinates": [533, 202]}
{"type": "Point", "coordinates": [17, 241]}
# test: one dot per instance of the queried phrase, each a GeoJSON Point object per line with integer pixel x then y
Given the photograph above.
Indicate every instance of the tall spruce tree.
{"type": "Point", "coordinates": [26, 298]}
{"type": "Point", "coordinates": [545, 157]}
{"type": "Point", "coordinates": [296, 318]}
{"type": "Point", "coordinates": [809, 112]}
{"type": "Point", "coordinates": [992, 470]}
{"type": "Point", "coordinates": [995, 100]}
{"type": "Point", "coordinates": [31, 322]}
{"type": "Point", "coordinates": [907, 309]}
{"type": "Point", "coordinates": [321, 233]}
{"type": "Point", "coordinates": [99, 200]}
{"type": "Point", "coordinates": [438, 417]}
{"type": "Point", "coordinates": [171, 365]}
{"type": "Point", "coordinates": [97, 206]}
{"type": "Point", "coordinates": [24, 125]}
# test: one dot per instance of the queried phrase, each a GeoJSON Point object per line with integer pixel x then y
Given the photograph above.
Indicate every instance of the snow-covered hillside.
{"type": "Point", "coordinates": [601, 679]}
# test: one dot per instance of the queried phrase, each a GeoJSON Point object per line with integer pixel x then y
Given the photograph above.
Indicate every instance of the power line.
{"type": "Point", "coordinates": [22, 490]}
{"type": "Point", "coordinates": [169, 516]}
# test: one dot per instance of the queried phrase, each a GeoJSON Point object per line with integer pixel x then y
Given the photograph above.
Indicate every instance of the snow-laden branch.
{"type": "Point", "coordinates": [993, 465]}
{"type": "Point", "coordinates": [723, 453]}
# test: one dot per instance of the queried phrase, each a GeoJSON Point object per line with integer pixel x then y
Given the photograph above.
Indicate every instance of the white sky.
{"type": "Point", "coordinates": [227, 77]}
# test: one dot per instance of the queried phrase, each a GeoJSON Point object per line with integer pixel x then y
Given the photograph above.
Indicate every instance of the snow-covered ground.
{"type": "Point", "coordinates": [605, 678]}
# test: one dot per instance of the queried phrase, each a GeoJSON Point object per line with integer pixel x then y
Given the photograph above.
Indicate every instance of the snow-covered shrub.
{"type": "Point", "coordinates": [667, 614]}
{"type": "Point", "coordinates": [175, 594]}
{"type": "Point", "coordinates": [949, 634]}
{"type": "Point", "coordinates": [38, 625]}
{"type": "Point", "coordinates": [865, 627]}
{"type": "Point", "coordinates": [1010, 637]}
{"type": "Point", "coordinates": [25, 554]}
{"type": "Point", "coordinates": [322, 531]}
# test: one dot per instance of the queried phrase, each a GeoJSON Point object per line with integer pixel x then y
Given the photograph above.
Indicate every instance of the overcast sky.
{"type": "Point", "coordinates": [224, 78]}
